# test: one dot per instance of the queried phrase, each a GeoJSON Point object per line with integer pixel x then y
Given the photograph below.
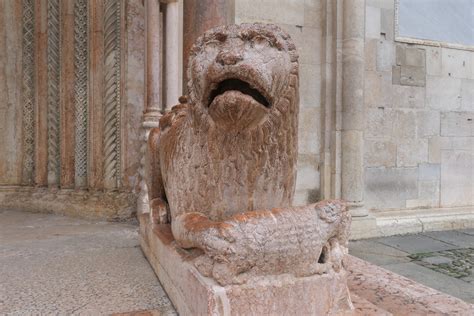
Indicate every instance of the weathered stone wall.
{"type": "Point", "coordinates": [419, 134]}
{"type": "Point", "coordinates": [302, 20]}
{"type": "Point", "coordinates": [419, 111]}
{"type": "Point", "coordinates": [10, 84]}
{"type": "Point", "coordinates": [71, 101]}
{"type": "Point", "coordinates": [419, 138]}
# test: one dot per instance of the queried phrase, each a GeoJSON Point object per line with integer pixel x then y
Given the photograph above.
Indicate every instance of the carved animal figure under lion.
{"type": "Point", "coordinates": [222, 164]}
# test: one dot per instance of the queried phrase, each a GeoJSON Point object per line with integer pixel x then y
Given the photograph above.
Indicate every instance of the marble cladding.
{"type": "Point", "coordinates": [10, 84]}
{"type": "Point", "coordinates": [71, 120]}
{"type": "Point", "coordinates": [419, 103]}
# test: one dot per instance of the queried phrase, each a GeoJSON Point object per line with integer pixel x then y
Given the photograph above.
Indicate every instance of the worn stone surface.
{"type": "Point", "coordinates": [304, 23]}
{"type": "Point", "coordinates": [238, 134]}
{"type": "Point", "coordinates": [373, 22]}
{"type": "Point", "coordinates": [238, 103]}
{"type": "Point", "coordinates": [55, 265]}
{"type": "Point", "coordinates": [411, 152]}
{"type": "Point", "coordinates": [72, 96]}
{"type": "Point", "coordinates": [380, 93]}
{"type": "Point", "coordinates": [399, 295]}
{"type": "Point", "coordinates": [467, 95]}
{"type": "Point", "coordinates": [443, 93]}
{"type": "Point", "coordinates": [385, 55]}
{"type": "Point", "coordinates": [428, 123]}
{"type": "Point", "coordinates": [193, 294]}
{"type": "Point", "coordinates": [457, 124]}
{"type": "Point", "coordinates": [457, 182]}
{"type": "Point", "coordinates": [433, 61]}
{"type": "Point", "coordinates": [198, 19]}
{"type": "Point", "coordinates": [112, 206]}
{"type": "Point", "coordinates": [404, 126]}
{"type": "Point", "coordinates": [457, 263]}
{"type": "Point", "coordinates": [408, 96]}
{"type": "Point", "coordinates": [263, 242]}
{"type": "Point", "coordinates": [408, 221]}
{"type": "Point", "coordinates": [10, 106]}
{"type": "Point", "coordinates": [455, 63]}
{"type": "Point", "coordinates": [455, 237]}
{"type": "Point", "coordinates": [434, 279]}
{"type": "Point", "coordinates": [389, 188]}
{"type": "Point", "coordinates": [420, 102]}
{"type": "Point", "coordinates": [290, 12]}
{"type": "Point", "coordinates": [376, 252]}
{"type": "Point", "coordinates": [380, 122]}
{"type": "Point", "coordinates": [416, 243]}
{"type": "Point", "coordinates": [380, 153]}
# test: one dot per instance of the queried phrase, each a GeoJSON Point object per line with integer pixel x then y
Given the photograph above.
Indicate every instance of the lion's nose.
{"type": "Point", "coordinates": [228, 58]}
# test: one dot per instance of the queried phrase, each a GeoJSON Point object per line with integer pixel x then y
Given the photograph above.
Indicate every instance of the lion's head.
{"type": "Point", "coordinates": [240, 74]}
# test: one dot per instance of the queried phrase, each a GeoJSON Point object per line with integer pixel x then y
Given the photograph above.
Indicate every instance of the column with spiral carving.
{"type": "Point", "coordinates": [28, 92]}
{"type": "Point", "coordinates": [112, 99]}
{"type": "Point", "coordinates": [54, 16]}
{"type": "Point", "coordinates": [80, 91]}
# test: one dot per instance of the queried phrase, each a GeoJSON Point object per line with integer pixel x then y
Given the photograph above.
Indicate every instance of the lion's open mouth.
{"type": "Point", "coordinates": [238, 85]}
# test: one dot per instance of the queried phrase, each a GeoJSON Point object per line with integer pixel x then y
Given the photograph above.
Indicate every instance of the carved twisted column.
{"type": "Point", "coordinates": [353, 115]}
{"type": "Point", "coordinates": [152, 112]}
{"type": "Point", "coordinates": [28, 92]}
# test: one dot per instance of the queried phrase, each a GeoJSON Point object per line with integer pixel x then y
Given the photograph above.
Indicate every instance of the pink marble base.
{"type": "Point", "coordinates": [194, 294]}
{"type": "Point", "coordinates": [373, 290]}
{"type": "Point", "coordinates": [399, 295]}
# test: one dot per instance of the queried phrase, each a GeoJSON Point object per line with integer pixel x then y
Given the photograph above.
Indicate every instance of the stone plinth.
{"type": "Point", "coordinates": [374, 290]}
{"type": "Point", "coordinates": [397, 295]}
{"type": "Point", "coordinates": [194, 294]}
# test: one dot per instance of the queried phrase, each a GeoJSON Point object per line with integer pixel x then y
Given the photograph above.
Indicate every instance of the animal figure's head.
{"type": "Point", "coordinates": [244, 75]}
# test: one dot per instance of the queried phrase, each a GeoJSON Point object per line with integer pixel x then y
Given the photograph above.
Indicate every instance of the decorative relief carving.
{"type": "Point", "coordinates": [112, 18]}
{"type": "Point", "coordinates": [28, 90]}
{"type": "Point", "coordinates": [80, 90]}
{"type": "Point", "coordinates": [54, 17]}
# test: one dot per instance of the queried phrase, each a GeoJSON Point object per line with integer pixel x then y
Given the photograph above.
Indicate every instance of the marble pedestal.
{"type": "Point", "coordinates": [194, 294]}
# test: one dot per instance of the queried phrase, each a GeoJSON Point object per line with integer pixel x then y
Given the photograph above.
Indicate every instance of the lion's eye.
{"type": "Point", "coordinates": [221, 37]}
{"type": "Point", "coordinates": [260, 41]}
{"type": "Point", "coordinates": [213, 42]}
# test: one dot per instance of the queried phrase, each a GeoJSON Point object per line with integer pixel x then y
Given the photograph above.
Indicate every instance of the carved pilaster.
{"type": "Point", "coordinates": [80, 91]}
{"type": "Point", "coordinates": [54, 16]}
{"type": "Point", "coordinates": [28, 92]}
{"type": "Point", "coordinates": [112, 19]}
{"type": "Point", "coordinates": [152, 109]}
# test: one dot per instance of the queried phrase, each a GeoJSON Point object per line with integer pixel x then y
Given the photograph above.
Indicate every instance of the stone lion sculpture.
{"type": "Point", "coordinates": [222, 164]}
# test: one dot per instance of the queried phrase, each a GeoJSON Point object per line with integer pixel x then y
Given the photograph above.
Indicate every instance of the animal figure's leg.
{"type": "Point", "coordinates": [156, 192]}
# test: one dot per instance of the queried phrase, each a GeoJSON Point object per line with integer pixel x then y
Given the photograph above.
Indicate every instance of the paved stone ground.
{"type": "Point", "coordinates": [58, 265]}
{"type": "Point", "coordinates": [52, 264]}
{"type": "Point", "coordinates": [441, 260]}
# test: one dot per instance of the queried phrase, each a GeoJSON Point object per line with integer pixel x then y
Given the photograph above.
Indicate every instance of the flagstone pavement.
{"type": "Point", "coordinates": [52, 264]}
{"type": "Point", "coordinates": [441, 260]}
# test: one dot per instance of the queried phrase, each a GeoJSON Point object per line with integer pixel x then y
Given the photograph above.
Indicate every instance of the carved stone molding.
{"type": "Point", "coordinates": [28, 91]}
{"type": "Point", "coordinates": [80, 90]}
{"type": "Point", "coordinates": [112, 36]}
{"type": "Point", "coordinates": [54, 16]}
{"type": "Point", "coordinates": [111, 205]}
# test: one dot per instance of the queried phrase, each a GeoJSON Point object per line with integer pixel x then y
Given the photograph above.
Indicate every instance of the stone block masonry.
{"type": "Point", "coordinates": [419, 125]}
